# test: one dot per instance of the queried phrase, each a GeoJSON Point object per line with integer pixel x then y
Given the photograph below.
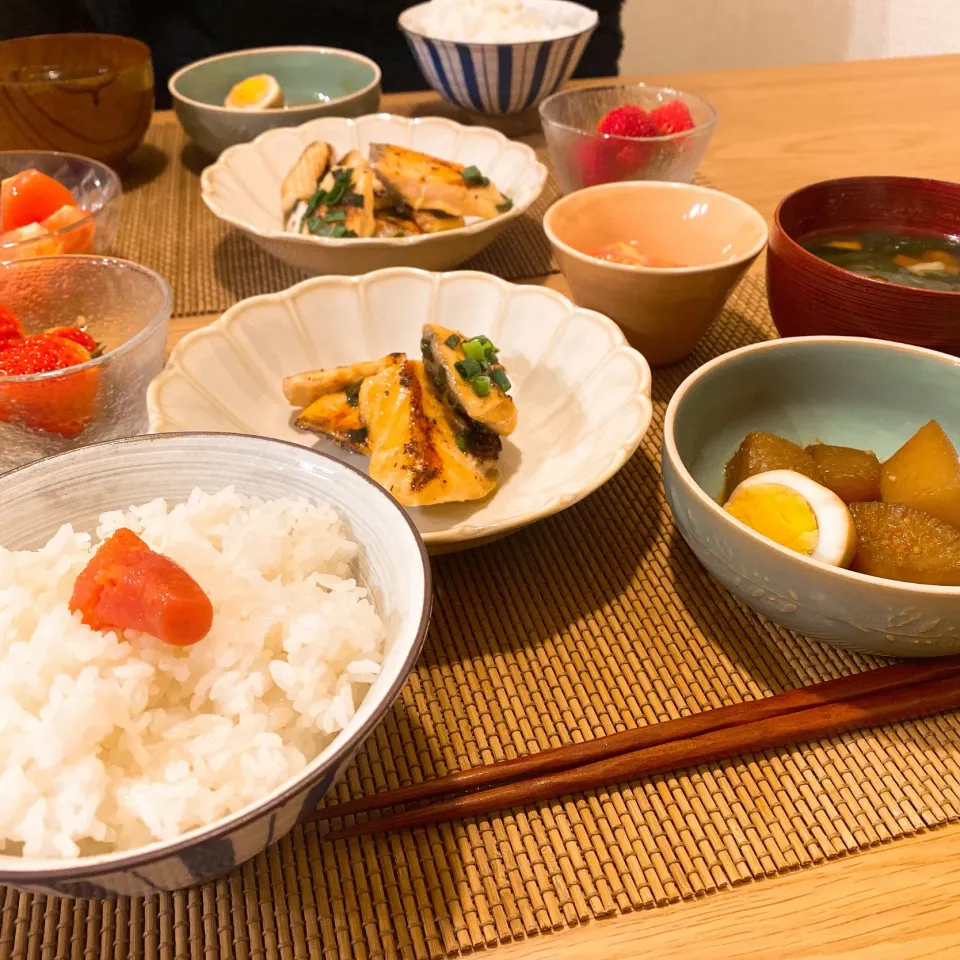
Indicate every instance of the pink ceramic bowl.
{"type": "Point", "coordinates": [663, 311]}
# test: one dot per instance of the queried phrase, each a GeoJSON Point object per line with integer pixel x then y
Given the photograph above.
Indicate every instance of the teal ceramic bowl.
{"type": "Point", "coordinates": [841, 390]}
{"type": "Point", "coordinates": [316, 82]}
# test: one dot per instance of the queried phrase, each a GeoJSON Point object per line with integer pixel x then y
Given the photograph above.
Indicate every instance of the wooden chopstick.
{"type": "Point", "coordinates": [827, 719]}
{"type": "Point", "coordinates": [590, 751]}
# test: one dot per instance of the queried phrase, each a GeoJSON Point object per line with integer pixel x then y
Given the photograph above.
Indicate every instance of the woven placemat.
{"type": "Point", "coordinates": [165, 225]}
{"type": "Point", "coordinates": [593, 621]}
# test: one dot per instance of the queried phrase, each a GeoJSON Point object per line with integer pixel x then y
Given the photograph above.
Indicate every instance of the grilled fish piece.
{"type": "Point", "coordinates": [394, 225]}
{"type": "Point", "coordinates": [349, 179]}
{"type": "Point", "coordinates": [428, 183]}
{"type": "Point", "coordinates": [442, 351]}
{"type": "Point", "coordinates": [337, 416]}
{"type": "Point", "coordinates": [301, 182]}
{"type": "Point", "coordinates": [302, 389]}
{"type": "Point", "coordinates": [385, 199]}
{"type": "Point", "coordinates": [413, 441]}
{"type": "Point", "coordinates": [430, 221]}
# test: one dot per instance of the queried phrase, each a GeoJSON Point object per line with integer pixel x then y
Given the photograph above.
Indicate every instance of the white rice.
{"type": "Point", "coordinates": [496, 21]}
{"type": "Point", "coordinates": [110, 743]}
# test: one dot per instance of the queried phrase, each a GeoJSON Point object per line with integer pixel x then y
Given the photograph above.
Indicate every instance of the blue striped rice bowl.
{"type": "Point", "coordinates": [497, 78]}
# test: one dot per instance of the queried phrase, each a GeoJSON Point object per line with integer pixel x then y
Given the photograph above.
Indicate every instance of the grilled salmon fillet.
{"type": "Point", "coordinates": [394, 225]}
{"type": "Point", "coordinates": [414, 453]}
{"type": "Point", "coordinates": [428, 183]}
{"type": "Point", "coordinates": [350, 180]}
{"type": "Point", "coordinates": [444, 356]}
{"type": "Point", "coordinates": [337, 416]}
{"type": "Point", "coordinates": [300, 184]}
{"type": "Point", "coordinates": [429, 221]}
{"type": "Point", "coordinates": [302, 389]}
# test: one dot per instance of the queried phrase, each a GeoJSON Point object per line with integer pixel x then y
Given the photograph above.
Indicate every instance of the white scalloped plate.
{"type": "Point", "coordinates": [243, 189]}
{"type": "Point", "coordinates": [582, 394]}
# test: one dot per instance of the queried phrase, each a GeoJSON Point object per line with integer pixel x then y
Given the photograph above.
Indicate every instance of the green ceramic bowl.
{"type": "Point", "coordinates": [316, 82]}
{"type": "Point", "coordinates": [842, 390]}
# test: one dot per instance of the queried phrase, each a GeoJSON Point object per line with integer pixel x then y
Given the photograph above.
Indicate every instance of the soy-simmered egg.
{"type": "Point", "coordinates": [798, 513]}
{"type": "Point", "coordinates": [261, 92]}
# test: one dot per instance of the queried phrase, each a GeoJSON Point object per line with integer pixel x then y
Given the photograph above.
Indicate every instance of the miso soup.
{"type": "Point", "coordinates": [910, 260]}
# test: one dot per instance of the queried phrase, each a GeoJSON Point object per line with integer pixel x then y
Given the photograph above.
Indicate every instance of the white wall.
{"type": "Point", "coordinates": [665, 36]}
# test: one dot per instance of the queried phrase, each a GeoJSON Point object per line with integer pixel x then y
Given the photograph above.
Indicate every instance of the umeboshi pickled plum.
{"type": "Point", "coordinates": [925, 474]}
{"type": "Point", "coordinates": [853, 475]}
{"type": "Point", "coordinates": [761, 452]}
{"type": "Point", "coordinates": [899, 543]}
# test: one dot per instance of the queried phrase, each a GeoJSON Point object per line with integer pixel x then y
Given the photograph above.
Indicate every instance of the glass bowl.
{"type": "Point", "coordinates": [86, 93]}
{"type": "Point", "coordinates": [126, 308]}
{"type": "Point", "coordinates": [94, 186]}
{"type": "Point", "coordinates": [582, 157]}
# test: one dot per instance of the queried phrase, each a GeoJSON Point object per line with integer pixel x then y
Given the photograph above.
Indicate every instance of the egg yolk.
{"type": "Point", "coordinates": [249, 91]}
{"type": "Point", "coordinates": [778, 513]}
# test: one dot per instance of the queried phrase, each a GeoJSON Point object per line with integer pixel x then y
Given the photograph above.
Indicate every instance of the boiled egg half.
{"type": "Point", "coordinates": [798, 513]}
{"type": "Point", "coordinates": [261, 92]}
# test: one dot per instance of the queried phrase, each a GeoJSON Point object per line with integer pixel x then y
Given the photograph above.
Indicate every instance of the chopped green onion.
{"type": "Point", "coordinates": [333, 216]}
{"type": "Point", "coordinates": [474, 178]}
{"type": "Point", "coordinates": [353, 393]}
{"type": "Point", "coordinates": [314, 202]}
{"type": "Point", "coordinates": [481, 385]}
{"type": "Point", "coordinates": [505, 206]}
{"type": "Point", "coordinates": [500, 379]}
{"type": "Point", "coordinates": [357, 436]}
{"type": "Point", "coordinates": [320, 228]}
{"type": "Point", "coordinates": [352, 200]}
{"type": "Point", "coordinates": [462, 442]}
{"type": "Point", "coordinates": [467, 368]}
{"type": "Point", "coordinates": [453, 341]}
{"type": "Point", "coordinates": [398, 235]}
{"type": "Point", "coordinates": [474, 349]}
{"type": "Point", "coordinates": [342, 180]}
{"type": "Point", "coordinates": [425, 346]}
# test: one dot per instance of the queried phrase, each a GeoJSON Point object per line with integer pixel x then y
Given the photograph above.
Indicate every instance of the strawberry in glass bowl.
{"type": "Point", "coordinates": [625, 132]}
{"type": "Point", "coordinates": [80, 340]}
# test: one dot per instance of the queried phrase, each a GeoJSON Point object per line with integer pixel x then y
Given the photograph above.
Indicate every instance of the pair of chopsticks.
{"type": "Point", "coordinates": [864, 700]}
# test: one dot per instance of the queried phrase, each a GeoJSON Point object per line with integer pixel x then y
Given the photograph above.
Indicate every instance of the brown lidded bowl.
{"type": "Point", "coordinates": [662, 311]}
{"type": "Point", "coordinates": [84, 93]}
{"type": "Point", "coordinates": [810, 297]}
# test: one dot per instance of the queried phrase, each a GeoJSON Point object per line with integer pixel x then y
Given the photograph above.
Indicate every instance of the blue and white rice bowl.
{"type": "Point", "coordinates": [391, 564]}
{"type": "Point", "coordinates": [499, 78]}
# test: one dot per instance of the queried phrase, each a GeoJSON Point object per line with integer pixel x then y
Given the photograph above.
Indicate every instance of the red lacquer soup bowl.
{"type": "Point", "coordinates": [810, 297]}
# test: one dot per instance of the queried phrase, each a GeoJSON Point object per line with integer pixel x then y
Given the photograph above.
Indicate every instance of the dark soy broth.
{"type": "Point", "coordinates": [911, 260]}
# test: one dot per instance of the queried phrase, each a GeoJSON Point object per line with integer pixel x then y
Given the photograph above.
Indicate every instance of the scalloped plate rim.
{"type": "Point", "coordinates": [461, 532]}
{"type": "Point", "coordinates": [207, 178]}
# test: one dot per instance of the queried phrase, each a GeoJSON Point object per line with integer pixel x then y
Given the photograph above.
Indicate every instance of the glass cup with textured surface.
{"type": "Point", "coordinates": [582, 157]}
{"type": "Point", "coordinates": [125, 307]}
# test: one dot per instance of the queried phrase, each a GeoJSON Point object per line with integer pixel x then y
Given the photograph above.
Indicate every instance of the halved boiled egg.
{"type": "Point", "coordinates": [261, 92]}
{"type": "Point", "coordinates": [798, 513]}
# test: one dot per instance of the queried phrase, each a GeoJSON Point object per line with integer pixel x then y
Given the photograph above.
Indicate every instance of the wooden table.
{"type": "Point", "coordinates": [781, 128]}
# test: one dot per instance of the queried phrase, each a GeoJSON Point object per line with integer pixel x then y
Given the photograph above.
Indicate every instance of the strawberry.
{"type": "Point", "coordinates": [10, 329]}
{"type": "Point", "coordinates": [63, 404]}
{"type": "Point", "coordinates": [628, 121]}
{"type": "Point", "coordinates": [672, 117]}
{"type": "Point", "coordinates": [77, 335]}
{"type": "Point", "coordinates": [597, 160]}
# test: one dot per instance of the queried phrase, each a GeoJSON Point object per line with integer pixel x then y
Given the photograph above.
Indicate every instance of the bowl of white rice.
{"type": "Point", "coordinates": [130, 766]}
{"type": "Point", "coordinates": [497, 56]}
